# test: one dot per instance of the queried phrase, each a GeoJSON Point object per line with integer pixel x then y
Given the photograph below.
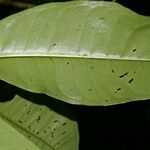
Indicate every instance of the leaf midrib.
{"type": "Point", "coordinates": [71, 56]}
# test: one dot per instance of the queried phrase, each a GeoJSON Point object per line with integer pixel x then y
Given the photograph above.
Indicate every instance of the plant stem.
{"type": "Point", "coordinates": [16, 4]}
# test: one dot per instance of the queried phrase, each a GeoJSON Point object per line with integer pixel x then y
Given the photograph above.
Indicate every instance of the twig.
{"type": "Point", "coordinates": [16, 4]}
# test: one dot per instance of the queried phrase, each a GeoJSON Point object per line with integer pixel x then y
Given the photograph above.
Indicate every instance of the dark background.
{"type": "Point", "coordinates": [119, 127]}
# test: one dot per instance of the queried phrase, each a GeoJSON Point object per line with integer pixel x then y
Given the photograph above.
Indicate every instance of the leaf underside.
{"type": "Point", "coordinates": [26, 125]}
{"type": "Point", "coordinates": [90, 53]}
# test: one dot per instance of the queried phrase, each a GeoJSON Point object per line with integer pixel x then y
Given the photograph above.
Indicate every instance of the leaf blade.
{"type": "Point", "coordinates": [39, 126]}
{"type": "Point", "coordinates": [77, 51]}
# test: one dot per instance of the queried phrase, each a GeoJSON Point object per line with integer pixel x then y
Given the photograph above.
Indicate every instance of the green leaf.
{"type": "Point", "coordinates": [27, 125]}
{"type": "Point", "coordinates": [90, 53]}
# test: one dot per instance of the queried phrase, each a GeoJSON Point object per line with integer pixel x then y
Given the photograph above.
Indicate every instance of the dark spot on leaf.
{"type": "Point", "coordinates": [44, 131]}
{"type": "Point", "coordinates": [64, 123]}
{"type": "Point", "coordinates": [118, 89]}
{"type": "Point", "coordinates": [54, 44]}
{"type": "Point", "coordinates": [106, 100]}
{"type": "Point", "coordinates": [40, 109]}
{"type": "Point", "coordinates": [134, 72]}
{"type": "Point", "coordinates": [55, 121]}
{"type": "Point", "coordinates": [115, 92]}
{"type": "Point", "coordinates": [67, 63]}
{"type": "Point", "coordinates": [38, 119]}
{"type": "Point", "coordinates": [134, 50]}
{"type": "Point", "coordinates": [19, 121]}
{"type": "Point", "coordinates": [33, 130]}
{"type": "Point", "coordinates": [29, 136]}
{"type": "Point", "coordinates": [123, 75]}
{"type": "Point", "coordinates": [25, 105]}
{"type": "Point", "coordinates": [85, 54]}
{"type": "Point", "coordinates": [130, 80]}
{"type": "Point", "coordinates": [28, 112]}
{"type": "Point", "coordinates": [52, 134]}
{"type": "Point", "coordinates": [92, 67]}
{"type": "Point", "coordinates": [37, 132]}
{"type": "Point", "coordinates": [102, 18]}
{"type": "Point", "coordinates": [29, 127]}
{"type": "Point", "coordinates": [90, 89]}
{"type": "Point", "coordinates": [113, 71]}
{"type": "Point", "coordinates": [57, 143]}
{"type": "Point", "coordinates": [63, 132]}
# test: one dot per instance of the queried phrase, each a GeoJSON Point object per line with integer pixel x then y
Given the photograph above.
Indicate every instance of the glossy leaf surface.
{"type": "Point", "coordinates": [90, 53]}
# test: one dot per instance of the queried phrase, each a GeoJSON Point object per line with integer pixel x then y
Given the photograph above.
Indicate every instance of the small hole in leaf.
{"type": "Point", "coordinates": [54, 44]}
{"type": "Point", "coordinates": [38, 119]}
{"type": "Point", "coordinates": [134, 50]}
{"type": "Point", "coordinates": [118, 89]}
{"type": "Point", "coordinates": [63, 133]}
{"type": "Point", "coordinates": [113, 71]}
{"type": "Point", "coordinates": [123, 75]}
{"type": "Point", "coordinates": [28, 112]}
{"type": "Point", "coordinates": [19, 121]}
{"type": "Point", "coordinates": [44, 131]}
{"type": "Point", "coordinates": [131, 80]}
{"type": "Point", "coordinates": [64, 123]}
